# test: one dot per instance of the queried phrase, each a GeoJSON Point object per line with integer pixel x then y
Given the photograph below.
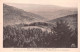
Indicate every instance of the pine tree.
{"type": "Point", "coordinates": [74, 38]}
{"type": "Point", "coordinates": [63, 33]}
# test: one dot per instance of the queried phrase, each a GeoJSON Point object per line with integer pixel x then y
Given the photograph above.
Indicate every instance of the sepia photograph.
{"type": "Point", "coordinates": [40, 24]}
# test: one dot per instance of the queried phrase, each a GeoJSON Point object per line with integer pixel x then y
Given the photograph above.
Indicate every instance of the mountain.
{"type": "Point", "coordinates": [72, 20]}
{"type": "Point", "coordinates": [13, 15]}
{"type": "Point", "coordinates": [47, 11]}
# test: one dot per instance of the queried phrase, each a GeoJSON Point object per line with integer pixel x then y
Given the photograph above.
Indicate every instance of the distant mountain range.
{"type": "Point", "coordinates": [47, 11]}
{"type": "Point", "coordinates": [38, 15]}
{"type": "Point", "coordinates": [12, 15]}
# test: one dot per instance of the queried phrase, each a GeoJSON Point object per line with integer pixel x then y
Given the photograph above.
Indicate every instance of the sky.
{"type": "Point", "coordinates": [64, 3]}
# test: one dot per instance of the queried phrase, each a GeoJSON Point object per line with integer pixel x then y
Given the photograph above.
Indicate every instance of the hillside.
{"type": "Point", "coordinates": [71, 20]}
{"type": "Point", "coordinates": [47, 11]}
{"type": "Point", "coordinates": [12, 15]}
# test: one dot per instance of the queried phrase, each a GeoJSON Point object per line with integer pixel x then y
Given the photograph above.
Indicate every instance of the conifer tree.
{"type": "Point", "coordinates": [63, 33]}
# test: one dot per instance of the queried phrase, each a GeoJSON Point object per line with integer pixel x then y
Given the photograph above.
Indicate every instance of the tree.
{"type": "Point", "coordinates": [74, 38]}
{"type": "Point", "coordinates": [63, 33]}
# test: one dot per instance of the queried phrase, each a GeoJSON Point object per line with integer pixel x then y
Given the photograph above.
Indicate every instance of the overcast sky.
{"type": "Point", "coordinates": [64, 3]}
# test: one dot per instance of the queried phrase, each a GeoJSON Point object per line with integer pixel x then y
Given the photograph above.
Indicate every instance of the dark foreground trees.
{"type": "Point", "coordinates": [61, 36]}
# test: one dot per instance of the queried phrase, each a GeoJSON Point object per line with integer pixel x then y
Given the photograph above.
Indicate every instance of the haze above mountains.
{"type": "Point", "coordinates": [47, 11]}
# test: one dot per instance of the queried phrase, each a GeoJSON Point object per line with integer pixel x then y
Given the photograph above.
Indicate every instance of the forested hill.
{"type": "Point", "coordinates": [13, 15]}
